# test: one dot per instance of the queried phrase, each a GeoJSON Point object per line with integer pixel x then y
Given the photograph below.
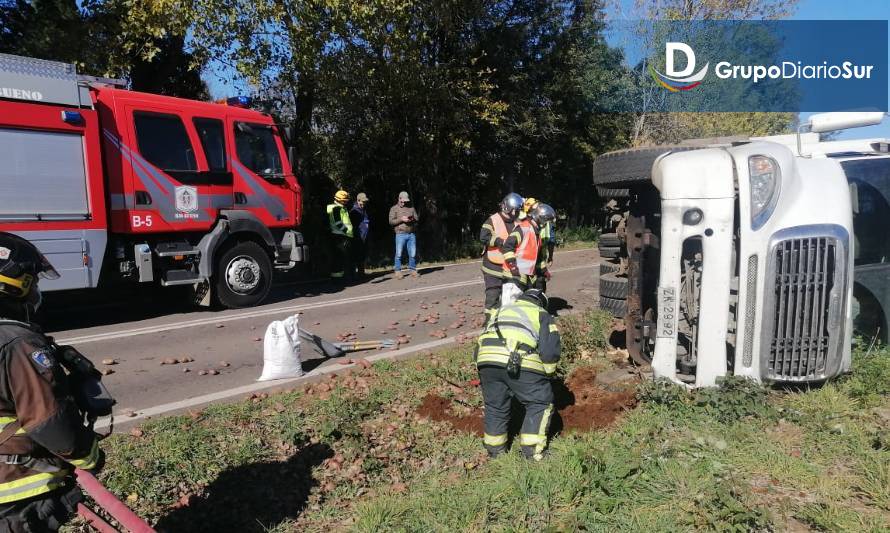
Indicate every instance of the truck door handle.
{"type": "Point", "coordinates": [240, 198]}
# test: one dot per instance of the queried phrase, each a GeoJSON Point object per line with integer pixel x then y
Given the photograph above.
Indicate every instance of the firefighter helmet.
{"type": "Point", "coordinates": [529, 204]}
{"type": "Point", "coordinates": [20, 264]}
{"type": "Point", "coordinates": [511, 204]}
{"type": "Point", "coordinates": [341, 196]}
{"type": "Point", "coordinates": [543, 214]}
{"type": "Point", "coordinates": [537, 297]}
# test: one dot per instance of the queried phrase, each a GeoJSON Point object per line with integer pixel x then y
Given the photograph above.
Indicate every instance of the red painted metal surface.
{"type": "Point", "coordinates": [30, 116]}
{"type": "Point", "coordinates": [96, 521]}
{"type": "Point", "coordinates": [111, 504]}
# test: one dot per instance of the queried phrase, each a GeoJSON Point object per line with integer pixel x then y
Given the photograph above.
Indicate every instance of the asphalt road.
{"type": "Point", "coordinates": [140, 331]}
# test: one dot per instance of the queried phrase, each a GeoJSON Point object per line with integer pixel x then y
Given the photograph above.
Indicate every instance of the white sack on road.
{"type": "Point", "coordinates": [509, 293]}
{"type": "Point", "coordinates": [281, 350]}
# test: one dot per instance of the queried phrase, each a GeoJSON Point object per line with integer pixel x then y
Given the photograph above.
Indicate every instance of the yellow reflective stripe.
{"type": "Point", "coordinates": [509, 255]}
{"type": "Point", "coordinates": [492, 358]}
{"type": "Point", "coordinates": [549, 368]}
{"type": "Point", "coordinates": [6, 420]}
{"type": "Point", "coordinates": [542, 429]}
{"type": "Point", "coordinates": [494, 440]}
{"type": "Point", "coordinates": [552, 328]}
{"type": "Point", "coordinates": [89, 461]}
{"type": "Point", "coordinates": [530, 439]}
{"type": "Point", "coordinates": [496, 273]}
{"type": "Point", "coordinates": [30, 486]}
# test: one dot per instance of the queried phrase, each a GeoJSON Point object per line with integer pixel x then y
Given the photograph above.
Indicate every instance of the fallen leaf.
{"type": "Point", "coordinates": [109, 361]}
{"type": "Point", "coordinates": [344, 361]}
{"type": "Point", "coordinates": [364, 363]}
{"type": "Point", "coordinates": [133, 497]}
{"type": "Point", "coordinates": [224, 363]}
{"type": "Point", "coordinates": [220, 325]}
{"type": "Point", "coordinates": [202, 372]}
{"type": "Point", "coordinates": [213, 371]}
{"type": "Point", "coordinates": [257, 339]}
{"type": "Point", "coordinates": [106, 371]}
{"type": "Point", "coordinates": [169, 361]}
{"type": "Point", "coordinates": [316, 323]}
{"type": "Point", "coordinates": [186, 369]}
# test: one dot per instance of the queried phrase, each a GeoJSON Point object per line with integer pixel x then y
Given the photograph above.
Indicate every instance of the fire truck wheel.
{"type": "Point", "coordinates": [243, 275]}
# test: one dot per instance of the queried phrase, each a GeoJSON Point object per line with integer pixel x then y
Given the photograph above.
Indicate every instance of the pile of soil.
{"type": "Point", "coordinates": [585, 406]}
{"type": "Point", "coordinates": [438, 408]}
{"type": "Point", "coordinates": [581, 405]}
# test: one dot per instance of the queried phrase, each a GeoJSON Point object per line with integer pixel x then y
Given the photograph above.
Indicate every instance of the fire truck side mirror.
{"type": "Point", "coordinates": [291, 155]}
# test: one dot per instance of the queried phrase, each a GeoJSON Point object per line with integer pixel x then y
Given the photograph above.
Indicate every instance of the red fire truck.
{"type": "Point", "coordinates": [118, 186]}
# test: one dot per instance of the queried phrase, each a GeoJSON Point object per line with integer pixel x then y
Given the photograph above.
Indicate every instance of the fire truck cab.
{"type": "Point", "coordinates": [118, 186]}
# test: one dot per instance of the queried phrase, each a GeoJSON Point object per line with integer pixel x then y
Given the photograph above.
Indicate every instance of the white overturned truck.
{"type": "Point", "coordinates": [731, 257]}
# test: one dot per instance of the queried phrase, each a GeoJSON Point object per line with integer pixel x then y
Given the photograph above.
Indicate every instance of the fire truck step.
{"type": "Point", "coordinates": [170, 249]}
{"type": "Point", "coordinates": [180, 277]}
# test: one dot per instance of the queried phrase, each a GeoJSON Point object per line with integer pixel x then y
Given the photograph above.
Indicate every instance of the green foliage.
{"type": "Point", "coordinates": [734, 399]}
{"type": "Point", "coordinates": [724, 510]}
{"type": "Point", "coordinates": [584, 334]}
{"type": "Point", "coordinates": [869, 382]}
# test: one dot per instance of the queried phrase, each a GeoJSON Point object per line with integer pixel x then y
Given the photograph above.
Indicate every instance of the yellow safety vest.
{"type": "Point", "coordinates": [342, 226]}
{"type": "Point", "coordinates": [519, 324]}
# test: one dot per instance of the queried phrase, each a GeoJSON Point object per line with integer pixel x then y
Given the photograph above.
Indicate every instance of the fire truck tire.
{"type": "Point", "coordinates": [612, 286]}
{"type": "Point", "coordinates": [618, 308]}
{"type": "Point", "coordinates": [630, 166]}
{"type": "Point", "coordinates": [243, 275]}
{"type": "Point", "coordinates": [607, 267]}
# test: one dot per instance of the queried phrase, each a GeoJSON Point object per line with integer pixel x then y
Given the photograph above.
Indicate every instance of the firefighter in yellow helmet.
{"type": "Point", "coordinates": [46, 408]}
{"type": "Point", "coordinates": [342, 233]}
{"type": "Point", "coordinates": [516, 355]}
{"type": "Point", "coordinates": [527, 207]}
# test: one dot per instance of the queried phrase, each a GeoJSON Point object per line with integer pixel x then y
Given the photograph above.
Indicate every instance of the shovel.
{"type": "Point", "coordinates": [339, 349]}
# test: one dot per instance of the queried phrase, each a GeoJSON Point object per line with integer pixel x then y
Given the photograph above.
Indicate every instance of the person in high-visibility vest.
{"type": "Point", "coordinates": [43, 437]}
{"type": "Point", "coordinates": [520, 249]}
{"type": "Point", "coordinates": [516, 355]}
{"type": "Point", "coordinates": [527, 207]}
{"type": "Point", "coordinates": [341, 236]}
{"type": "Point", "coordinates": [544, 216]}
{"type": "Point", "coordinates": [495, 231]}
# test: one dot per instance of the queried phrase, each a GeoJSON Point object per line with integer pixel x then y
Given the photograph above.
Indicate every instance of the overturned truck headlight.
{"type": "Point", "coordinates": [765, 178]}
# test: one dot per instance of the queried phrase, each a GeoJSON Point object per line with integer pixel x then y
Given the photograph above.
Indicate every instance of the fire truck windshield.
{"type": "Point", "coordinates": [257, 149]}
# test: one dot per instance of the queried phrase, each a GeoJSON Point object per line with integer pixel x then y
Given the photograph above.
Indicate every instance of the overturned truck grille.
{"type": "Point", "coordinates": [804, 292]}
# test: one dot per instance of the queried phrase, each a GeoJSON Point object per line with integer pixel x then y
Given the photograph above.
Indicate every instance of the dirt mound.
{"type": "Point", "coordinates": [581, 405]}
{"type": "Point", "coordinates": [438, 408]}
{"type": "Point", "coordinates": [588, 406]}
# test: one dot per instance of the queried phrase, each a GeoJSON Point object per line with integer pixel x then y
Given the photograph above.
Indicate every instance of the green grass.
{"type": "Point", "coordinates": [737, 458]}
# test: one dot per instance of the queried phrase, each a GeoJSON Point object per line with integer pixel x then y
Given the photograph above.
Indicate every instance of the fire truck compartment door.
{"type": "Point", "coordinates": [76, 254]}
{"type": "Point", "coordinates": [42, 175]}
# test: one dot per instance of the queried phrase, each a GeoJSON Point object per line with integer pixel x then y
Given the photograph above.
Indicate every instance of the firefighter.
{"type": "Point", "coordinates": [494, 232]}
{"type": "Point", "coordinates": [527, 207]}
{"type": "Point", "coordinates": [543, 216]}
{"type": "Point", "coordinates": [43, 435]}
{"type": "Point", "coordinates": [520, 251]}
{"type": "Point", "coordinates": [341, 236]}
{"type": "Point", "coordinates": [516, 355]}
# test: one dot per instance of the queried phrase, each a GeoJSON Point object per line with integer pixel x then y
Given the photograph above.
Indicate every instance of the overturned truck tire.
{"type": "Point", "coordinates": [617, 308]}
{"type": "Point", "coordinates": [612, 286]}
{"type": "Point", "coordinates": [613, 170]}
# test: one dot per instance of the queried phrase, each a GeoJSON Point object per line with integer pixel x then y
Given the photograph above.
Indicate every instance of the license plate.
{"type": "Point", "coordinates": [667, 312]}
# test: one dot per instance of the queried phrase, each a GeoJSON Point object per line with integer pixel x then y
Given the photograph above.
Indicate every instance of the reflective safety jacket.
{"type": "Point", "coordinates": [51, 438]}
{"type": "Point", "coordinates": [494, 232]}
{"type": "Point", "coordinates": [338, 218]}
{"type": "Point", "coordinates": [521, 248]}
{"type": "Point", "coordinates": [521, 327]}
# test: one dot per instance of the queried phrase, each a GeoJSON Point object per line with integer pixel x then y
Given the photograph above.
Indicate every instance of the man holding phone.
{"type": "Point", "coordinates": [403, 218]}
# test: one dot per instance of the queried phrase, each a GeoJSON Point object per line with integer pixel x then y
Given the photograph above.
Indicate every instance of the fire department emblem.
{"type": "Point", "coordinates": [186, 199]}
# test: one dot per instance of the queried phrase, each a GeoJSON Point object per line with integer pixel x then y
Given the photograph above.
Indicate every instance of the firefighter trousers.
{"type": "Point", "coordinates": [493, 286]}
{"type": "Point", "coordinates": [535, 394]}
{"type": "Point", "coordinates": [341, 257]}
{"type": "Point", "coordinates": [41, 514]}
